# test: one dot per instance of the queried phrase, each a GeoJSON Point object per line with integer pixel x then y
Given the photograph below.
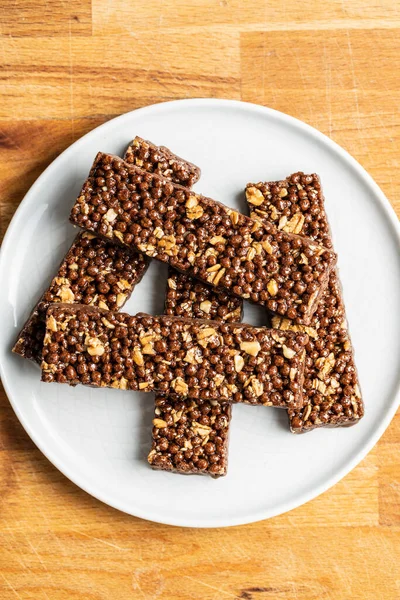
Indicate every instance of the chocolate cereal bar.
{"type": "Point", "coordinates": [93, 272]}
{"type": "Point", "coordinates": [203, 238]}
{"type": "Point", "coordinates": [160, 160]}
{"type": "Point", "coordinates": [189, 358]}
{"type": "Point", "coordinates": [191, 436]}
{"type": "Point", "coordinates": [331, 389]}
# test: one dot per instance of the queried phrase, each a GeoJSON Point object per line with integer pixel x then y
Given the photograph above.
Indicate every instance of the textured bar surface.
{"type": "Point", "coordinates": [295, 205]}
{"type": "Point", "coordinates": [93, 272]}
{"type": "Point", "coordinates": [196, 359]}
{"type": "Point", "coordinates": [203, 238]}
{"type": "Point", "coordinates": [160, 160]}
{"type": "Point", "coordinates": [189, 298]}
{"type": "Point", "coordinates": [192, 436]}
{"type": "Point", "coordinates": [331, 388]}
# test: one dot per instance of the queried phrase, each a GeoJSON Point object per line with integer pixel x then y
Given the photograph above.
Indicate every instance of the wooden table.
{"type": "Point", "coordinates": [66, 67]}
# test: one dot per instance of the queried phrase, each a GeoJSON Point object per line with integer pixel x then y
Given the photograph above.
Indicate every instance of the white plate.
{"type": "Point", "coordinates": [100, 438]}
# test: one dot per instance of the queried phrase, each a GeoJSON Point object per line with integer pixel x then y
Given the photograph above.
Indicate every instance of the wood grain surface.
{"type": "Point", "coordinates": [65, 68]}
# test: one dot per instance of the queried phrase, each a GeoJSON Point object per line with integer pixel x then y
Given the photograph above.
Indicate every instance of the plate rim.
{"type": "Point", "coordinates": [306, 496]}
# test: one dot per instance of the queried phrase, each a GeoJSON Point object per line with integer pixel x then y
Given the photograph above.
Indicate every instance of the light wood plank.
{"type": "Point", "coordinates": [91, 76]}
{"type": "Point", "coordinates": [38, 18]}
{"type": "Point", "coordinates": [123, 17]}
{"type": "Point", "coordinates": [389, 483]}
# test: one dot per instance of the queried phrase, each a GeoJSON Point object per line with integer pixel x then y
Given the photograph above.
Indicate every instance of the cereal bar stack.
{"type": "Point", "coordinates": [198, 358]}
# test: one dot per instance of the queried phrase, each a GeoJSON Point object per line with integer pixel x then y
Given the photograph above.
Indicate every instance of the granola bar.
{"type": "Point", "coordinates": [203, 238]}
{"type": "Point", "coordinates": [191, 436]}
{"type": "Point", "coordinates": [331, 388]}
{"type": "Point", "coordinates": [189, 358]}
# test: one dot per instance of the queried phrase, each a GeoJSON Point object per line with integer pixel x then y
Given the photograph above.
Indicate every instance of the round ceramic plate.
{"type": "Point", "coordinates": [100, 438]}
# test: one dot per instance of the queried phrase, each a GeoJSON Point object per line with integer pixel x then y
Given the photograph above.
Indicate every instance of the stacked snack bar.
{"type": "Point", "coordinates": [209, 360]}
{"type": "Point", "coordinates": [203, 238]}
{"type": "Point", "coordinates": [191, 436]}
{"type": "Point", "coordinates": [93, 272]}
{"type": "Point", "coordinates": [281, 258]}
{"type": "Point", "coordinates": [331, 389]}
